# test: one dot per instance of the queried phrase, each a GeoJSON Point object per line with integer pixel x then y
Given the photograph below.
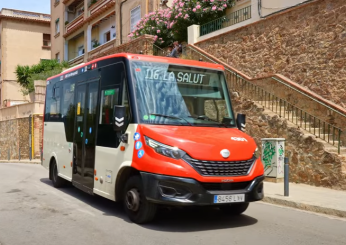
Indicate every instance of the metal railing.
{"type": "Point", "coordinates": [157, 51]}
{"type": "Point", "coordinates": [227, 20]}
{"type": "Point", "coordinates": [314, 125]}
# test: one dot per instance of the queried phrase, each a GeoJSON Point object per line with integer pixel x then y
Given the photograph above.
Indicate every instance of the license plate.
{"type": "Point", "coordinates": [229, 198]}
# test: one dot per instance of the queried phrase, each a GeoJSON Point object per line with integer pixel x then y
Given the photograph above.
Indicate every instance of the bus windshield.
{"type": "Point", "coordinates": [181, 95]}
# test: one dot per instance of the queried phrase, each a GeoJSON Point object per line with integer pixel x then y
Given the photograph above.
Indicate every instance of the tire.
{"type": "Point", "coordinates": [57, 181]}
{"type": "Point", "coordinates": [234, 208]}
{"type": "Point", "coordinates": [137, 207]}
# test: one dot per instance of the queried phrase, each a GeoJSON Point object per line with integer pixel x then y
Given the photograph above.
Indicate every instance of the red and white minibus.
{"type": "Point", "coordinates": [150, 131]}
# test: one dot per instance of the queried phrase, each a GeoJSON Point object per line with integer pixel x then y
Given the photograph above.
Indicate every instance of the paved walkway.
{"type": "Point", "coordinates": [306, 197]}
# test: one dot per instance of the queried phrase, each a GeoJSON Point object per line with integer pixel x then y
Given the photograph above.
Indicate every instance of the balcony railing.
{"type": "Point", "coordinates": [74, 23]}
{"type": "Point", "coordinates": [96, 6]}
{"type": "Point", "coordinates": [227, 20]}
{"type": "Point", "coordinates": [77, 60]}
{"type": "Point", "coordinates": [102, 49]}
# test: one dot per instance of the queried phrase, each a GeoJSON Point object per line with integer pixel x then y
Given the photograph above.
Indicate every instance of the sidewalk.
{"type": "Point", "coordinates": [306, 197]}
{"type": "Point", "coordinates": [33, 161]}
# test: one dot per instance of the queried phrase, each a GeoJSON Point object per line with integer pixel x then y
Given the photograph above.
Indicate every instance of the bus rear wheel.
{"type": "Point", "coordinates": [234, 208]}
{"type": "Point", "coordinates": [137, 207]}
{"type": "Point", "coordinates": [57, 181]}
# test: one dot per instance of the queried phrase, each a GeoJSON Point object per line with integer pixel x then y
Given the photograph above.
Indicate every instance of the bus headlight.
{"type": "Point", "coordinates": [257, 153]}
{"type": "Point", "coordinates": [168, 151]}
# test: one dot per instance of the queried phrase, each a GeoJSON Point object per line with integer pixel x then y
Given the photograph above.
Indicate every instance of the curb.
{"type": "Point", "coordinates": [22, 161]}
{"type": "Point", "coordinates": [306, 207]}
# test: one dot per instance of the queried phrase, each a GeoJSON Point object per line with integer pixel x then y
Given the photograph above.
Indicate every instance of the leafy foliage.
{"type": "Point", "coordinates": [46, 68]}
{"type": "Point", "coordinates": [170, 25]}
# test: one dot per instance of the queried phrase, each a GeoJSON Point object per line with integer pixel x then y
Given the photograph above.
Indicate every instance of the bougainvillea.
{"type": "Point", "coordinates": [171, 24]}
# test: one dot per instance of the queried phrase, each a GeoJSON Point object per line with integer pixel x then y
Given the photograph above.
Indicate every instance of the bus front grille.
{"type": "Point", "coordinates": [221, 168]}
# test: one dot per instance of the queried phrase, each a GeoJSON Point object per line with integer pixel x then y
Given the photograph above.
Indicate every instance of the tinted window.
{"type": "Point", "coordinates": [53, 101]}
{"type": "Point", "coordinates": [112, 77]}
{"type": "Point", "coordinates": [112, 74]}
{"type": "Point", "coordinates": [68, 108]}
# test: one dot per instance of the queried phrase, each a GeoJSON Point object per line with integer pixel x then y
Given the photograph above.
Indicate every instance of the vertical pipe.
{"type": "Point", "coordinates": [286, 178]}
{"type": "Point", "coordinates": [339, 141]}
{"type": "Point", "coordinates": [319, 128]}
{"type": "Point", "coordinates": [19, 154]}
{"type": "Point", "coordinates": [8, 154]}
{"type": "Point", "coordinates": [32, 137]}
{"type": "Point", "coordinates": [328, 132]}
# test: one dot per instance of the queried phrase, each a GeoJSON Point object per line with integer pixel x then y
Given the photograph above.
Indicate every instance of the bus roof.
{"type": "Point", "coordinates": [146, 58]}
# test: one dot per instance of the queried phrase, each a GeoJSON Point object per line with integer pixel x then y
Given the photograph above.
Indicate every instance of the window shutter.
{"type": "Point", "coordinates": [135, 17]}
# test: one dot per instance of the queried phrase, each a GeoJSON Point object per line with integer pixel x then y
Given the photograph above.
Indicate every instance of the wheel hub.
{"type": "Point", "coordinates": [132, 200]}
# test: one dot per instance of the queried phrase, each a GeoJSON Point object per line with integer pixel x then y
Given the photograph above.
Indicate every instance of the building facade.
{"type": "Point", "coordinates": [24, 40]}
{"type": "Point", "coordinates": [83, 29]}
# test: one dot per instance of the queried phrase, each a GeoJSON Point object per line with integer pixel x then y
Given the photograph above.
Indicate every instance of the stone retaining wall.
{"type": "Point", "coordinates": [310, 162]}
{"type": "Point", "coordinates": [306, 44]}
{"type": "Point", "coordinates": [14, 135]}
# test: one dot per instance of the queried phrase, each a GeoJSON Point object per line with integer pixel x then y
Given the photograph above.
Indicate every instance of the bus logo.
{"type": "Point", "coordinates": [225, 153]}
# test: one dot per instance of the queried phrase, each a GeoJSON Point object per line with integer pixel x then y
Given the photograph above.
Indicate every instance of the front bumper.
{"type": "Point", "coordinates": [171, 190]}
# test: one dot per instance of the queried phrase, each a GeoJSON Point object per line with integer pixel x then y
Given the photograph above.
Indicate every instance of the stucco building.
{"type": "Point", "coordinates": [82, 29]}
{"type": "Point", "coordinates": [24, 40]}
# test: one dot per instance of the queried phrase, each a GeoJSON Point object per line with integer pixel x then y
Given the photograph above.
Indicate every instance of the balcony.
{"type": "Point", "coordinates": [102, 50]}
{"type": "Point", "coordinates": [99, 7]}
{"type": "Point", "coordinates": [77, 22]}
{"type": "Point", "coordinates": [233, 18]}
{"type": "Point", "coordinates": [74, 49]}
{"type": "Point", "coordinates": [76, 61]}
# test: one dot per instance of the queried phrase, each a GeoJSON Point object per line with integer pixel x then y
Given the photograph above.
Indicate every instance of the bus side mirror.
{"type": "Point", "coordinates": [241, 122]}
{"type": "Point", "coordinates": [119, 118]}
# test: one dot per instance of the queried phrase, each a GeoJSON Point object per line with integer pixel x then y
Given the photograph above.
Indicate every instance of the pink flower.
{"type": "Point", "coordinates": [211, 1]}
{"type": "Point", "coordinates": [213, 8]}
{"type": "Point", "coordinates": [186, 16]}
{"type": "Point", "coordinates": [194, 10]}
{"type": "Point", "coordinates": [158, 31]}
{"type": "Point", "coordinates": [155, 38]}
{"type": "Point", "coordinates": [225, 5]}
{"type": "Point", "coordinates": [198, 6]}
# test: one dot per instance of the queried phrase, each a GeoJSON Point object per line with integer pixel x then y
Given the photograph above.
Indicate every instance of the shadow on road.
{"type": "Point", "coordinates": [167, 219]}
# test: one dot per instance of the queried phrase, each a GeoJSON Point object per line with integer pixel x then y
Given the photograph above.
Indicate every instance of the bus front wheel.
{"type": "Point", "coordinates": [57, 181]}
{"type": "Point", "coordinates": [137, 207]}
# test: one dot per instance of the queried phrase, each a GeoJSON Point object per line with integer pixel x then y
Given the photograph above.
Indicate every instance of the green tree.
{"type": "Point", "coordinates": [46, 68]}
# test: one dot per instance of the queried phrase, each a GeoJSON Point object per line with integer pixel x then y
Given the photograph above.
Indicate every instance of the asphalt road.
{"type": "Point", "coordinates": [33, 212]}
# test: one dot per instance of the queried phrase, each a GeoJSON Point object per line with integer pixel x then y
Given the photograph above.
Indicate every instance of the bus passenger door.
{"type": "Point", "coordinates": [85, 135]}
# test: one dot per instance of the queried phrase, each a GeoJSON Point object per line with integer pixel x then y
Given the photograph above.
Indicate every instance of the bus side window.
{"type": "Point", "coordinates": [68, 109]}
{"type": "Point", "coordinates": [53, 100]}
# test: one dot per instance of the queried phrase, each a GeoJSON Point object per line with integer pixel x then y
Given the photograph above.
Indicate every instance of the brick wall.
{"type": "Point", "coordinates": [306, 44]}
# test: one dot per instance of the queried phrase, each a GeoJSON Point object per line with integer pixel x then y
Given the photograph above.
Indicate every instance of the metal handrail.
{"type": "Point", "coordinates": [314, 125]}
{"type": "Point", "coordinates": [157, 51]}
{"type": "Point", "coordinates": [225, 21]}
{"type": "Point", "coordinates": [310, 97]}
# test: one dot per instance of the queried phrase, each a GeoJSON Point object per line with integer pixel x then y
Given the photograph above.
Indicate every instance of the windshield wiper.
{"type": "Point", "coordinates": [171, 117]}
{"type": "Point", "coordinates": [203, 117]}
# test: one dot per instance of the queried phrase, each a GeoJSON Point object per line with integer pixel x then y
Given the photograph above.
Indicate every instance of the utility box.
{"type": "Point", "coordinates": [273, 154]}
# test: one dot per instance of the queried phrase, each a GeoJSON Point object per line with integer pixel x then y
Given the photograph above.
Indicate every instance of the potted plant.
{"type": "Point", "coordinates": [95, 43]}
